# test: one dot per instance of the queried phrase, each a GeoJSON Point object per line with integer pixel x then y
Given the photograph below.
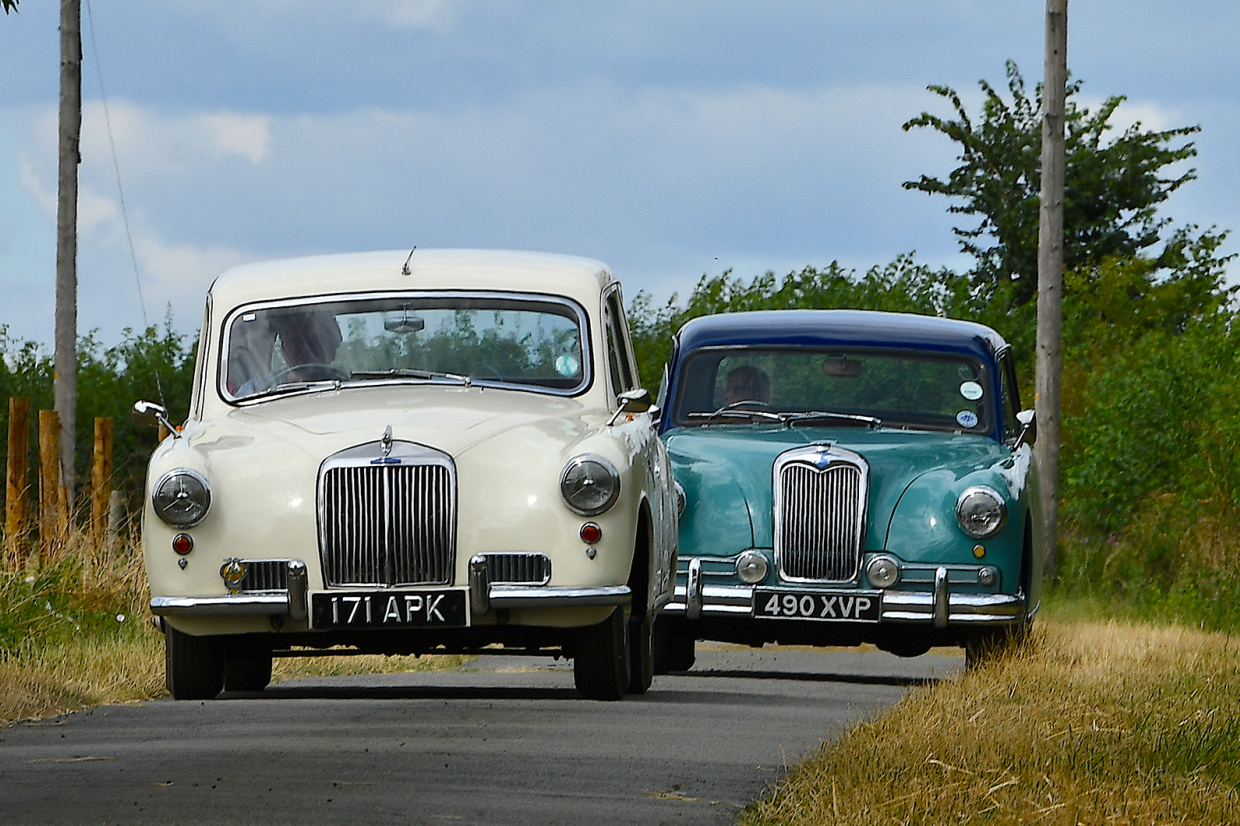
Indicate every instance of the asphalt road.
{"type": "Point", "coordinates": [504, 740]}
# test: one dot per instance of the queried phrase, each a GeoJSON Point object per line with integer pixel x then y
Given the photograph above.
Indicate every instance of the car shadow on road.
{"type": "Point", "coordinates": [816, 677]}
{"type": "Point", "coordinates": [402, 692]}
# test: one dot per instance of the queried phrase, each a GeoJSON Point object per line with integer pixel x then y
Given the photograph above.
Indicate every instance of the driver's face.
{"type": "Point", "coordinates": [739, 389]}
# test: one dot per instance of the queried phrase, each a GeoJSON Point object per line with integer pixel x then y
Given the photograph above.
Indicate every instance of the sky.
{"type": "Point", "coordinates": [669, 140]}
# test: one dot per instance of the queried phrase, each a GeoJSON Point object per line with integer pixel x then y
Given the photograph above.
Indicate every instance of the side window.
{"type": "Point", "coordinates": [619, 360]}
{"type": "Point", "coordinates": [1010, 394]}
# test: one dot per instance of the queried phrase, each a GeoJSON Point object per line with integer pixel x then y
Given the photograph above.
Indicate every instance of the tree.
{"type": "Point", "coordinates": [1114, 184]}
{"type": "Point", "coordinates": [9, 5]}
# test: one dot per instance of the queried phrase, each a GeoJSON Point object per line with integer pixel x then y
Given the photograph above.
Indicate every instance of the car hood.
{"type": "Point", "coordinates": [453, 420]}
{"type": "Point", "coordinates": [726, 472]}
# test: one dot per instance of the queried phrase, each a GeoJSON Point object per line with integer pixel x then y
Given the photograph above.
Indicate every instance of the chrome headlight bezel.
{"type": "Point", "coordinates": [182, 497]}
{"type": "Point", "coordinates": [589, 485]}
{"type": "Point", "coordinates": [882, 571]}
{"type": "Point", "coordinates": [981, 511]}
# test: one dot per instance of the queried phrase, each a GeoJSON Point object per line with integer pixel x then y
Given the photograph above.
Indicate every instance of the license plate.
{"type": "Point", "coordinates": [388, 609]}
{"type": "Point", "coordinates": [820, 606]}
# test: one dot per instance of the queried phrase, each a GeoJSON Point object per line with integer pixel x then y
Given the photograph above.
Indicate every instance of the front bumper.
{"type": "Point", "coordinates": [483, 596]}
{"type": "Point", "coordinates": [939, 606]}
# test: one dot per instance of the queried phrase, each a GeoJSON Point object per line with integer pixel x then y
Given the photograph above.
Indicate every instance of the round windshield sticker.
{"type": "Point", "coordinates": [967, 418]}
{"type": "Point", "coordinates": [971, 390]}
{"type": "Point", "coordinates": [567, 365]}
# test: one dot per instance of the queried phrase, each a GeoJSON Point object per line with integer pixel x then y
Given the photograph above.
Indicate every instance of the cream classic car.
{"type": "Point", "coordinates": [426, 452]}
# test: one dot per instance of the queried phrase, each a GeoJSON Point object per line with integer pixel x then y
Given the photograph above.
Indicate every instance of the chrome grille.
{"type": "Point", "coordinates": [387, 522]}
{"type": "Point", "coordinates": [518, 568]}
{"type": "Point", "coordinates": [820, 505]}
{"type": "Point", "coordinates": [265, 575]}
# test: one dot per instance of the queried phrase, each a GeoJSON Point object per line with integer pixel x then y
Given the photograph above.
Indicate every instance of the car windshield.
{"type": "Point", "coordinates": [530, 342]}
{"type": "Point", "coordinates": [833, 388]}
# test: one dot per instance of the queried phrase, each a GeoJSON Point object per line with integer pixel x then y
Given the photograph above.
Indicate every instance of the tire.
{"type": "Point", "coordinates": [601, 659]}
{"type": "Point", "coordinates": [194, 666]}
{"type": "Point", "coordinates": [641, 656]}
{"type": "Point", "coordinates": [247, 667]}
{"type": "Point", "coordinates": [673, 647]}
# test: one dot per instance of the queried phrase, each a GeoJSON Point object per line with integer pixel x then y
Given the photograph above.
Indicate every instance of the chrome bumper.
{"type": "Point", "coordinates": [291, 603]}
{"type": "Point", "coordinates": [938, 607]}
{"type": "Point", "coordinates": [483, 595]}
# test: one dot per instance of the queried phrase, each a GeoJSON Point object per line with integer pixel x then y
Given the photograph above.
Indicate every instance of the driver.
{"type": "Point", "coordinates": [307, 342]}
{"type": "Point", "coordinates": [746, 384]}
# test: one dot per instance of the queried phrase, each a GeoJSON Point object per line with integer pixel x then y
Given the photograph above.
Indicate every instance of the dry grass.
{"type": "Point", "coordinates": [73, 634]}
{"type": "Point", "coordinates": [1088, 724]}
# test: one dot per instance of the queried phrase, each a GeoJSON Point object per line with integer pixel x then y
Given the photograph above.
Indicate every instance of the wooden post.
{"type": "Point", "coordinates": [101, 481]}
{"type": "Point", "coordinates": [50, 532]}
{"type": "Point", "coordinates": [17, 481]}
{"type": "Point", "coordinates": [1050, 273]}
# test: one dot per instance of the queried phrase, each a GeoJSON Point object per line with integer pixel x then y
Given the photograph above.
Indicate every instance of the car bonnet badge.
{"type": "Point", "coordinates": [385, 447]}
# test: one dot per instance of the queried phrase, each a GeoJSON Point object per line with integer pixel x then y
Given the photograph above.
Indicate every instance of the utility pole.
{"type": "Point", "coordinates": [1050, 271]}
{"type": "Point", "coordinates": [64, 385]}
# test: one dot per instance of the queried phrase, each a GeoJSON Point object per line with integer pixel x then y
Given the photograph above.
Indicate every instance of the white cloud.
{"type": "Point", "coordinates": [232, 133]}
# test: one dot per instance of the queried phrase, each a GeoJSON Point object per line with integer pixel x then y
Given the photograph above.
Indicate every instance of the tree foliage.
{"type": "Point", "coordinates": [1115, 183]}
{"type": "Point", "coordinates": [9, 5]}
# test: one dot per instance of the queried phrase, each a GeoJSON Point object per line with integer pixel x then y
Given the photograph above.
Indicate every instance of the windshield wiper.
{"type": "Point", "coordinates": [285, 388]}
{"type": "Point", "coordinates": [791, 419]}
{"type": "Point", "coordinates": [733, 411]}
{"type": "Point", "coordinates": [409, 373]}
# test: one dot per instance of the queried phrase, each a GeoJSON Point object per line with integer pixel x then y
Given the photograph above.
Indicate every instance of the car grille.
{"type": "Point", "coordinates": [388, 524]}
{"type": "Point", "coordinates": [523, 569]}
{"type": "Point", "coordinates": [820, 504]}
{"type": "Point", "coordinates": [265, 575]}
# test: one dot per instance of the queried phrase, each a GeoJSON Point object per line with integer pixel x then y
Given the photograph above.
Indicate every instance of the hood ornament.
{"type": "Point", "coordinates": [385, 449]}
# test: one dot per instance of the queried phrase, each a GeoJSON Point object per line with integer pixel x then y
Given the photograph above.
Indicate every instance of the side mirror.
{"type": "Point", "coordinates": [150, 414]}
{"type": "Point", "coordinates": [635, 401]}
{"type": "Point", "coordinates": [1028, 428]}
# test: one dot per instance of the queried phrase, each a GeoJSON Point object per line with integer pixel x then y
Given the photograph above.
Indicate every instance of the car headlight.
{"type": "Point", "coordinates": [589, 485]}
{"type": "Point", "coordinates": [981, 512]}
{"type": "Point", "coordinates": [182, 498]}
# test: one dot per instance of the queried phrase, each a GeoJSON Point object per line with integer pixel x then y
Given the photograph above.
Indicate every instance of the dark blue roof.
{"type": "Point", "coordinates": [849, 328]}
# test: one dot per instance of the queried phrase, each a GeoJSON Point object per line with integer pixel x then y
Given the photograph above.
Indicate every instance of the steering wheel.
{"type": "Point", "coordinates": [313, 371]}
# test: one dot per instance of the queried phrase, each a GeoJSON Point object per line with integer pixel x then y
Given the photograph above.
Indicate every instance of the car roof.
{"type": "Point", "coordinates": [429, 269]}
{"type": "Point", "coordinates": [847, 328]}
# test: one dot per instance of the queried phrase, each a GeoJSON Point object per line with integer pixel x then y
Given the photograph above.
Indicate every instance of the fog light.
{"type": "Point", "coordinates": [233, 572]}
{"type": "Point", "coordinates": [591, 533]}
{"type": "Point", "coordinates": [182, 543]}
{"type": "Point", "coordinates": [751, 567]}
{"type": "Point", "coordinates": [987, 576]}
{"type": "Point", "coordinates": [882, 571]}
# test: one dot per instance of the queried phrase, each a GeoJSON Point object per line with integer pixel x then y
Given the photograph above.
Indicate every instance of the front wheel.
{"type": "Point", "coordinates": [674, 647]}
{"type": "Point", "coordinates": [641, 655]}
{"type": "Point", "coordinates": [993, 643]}
{"type": "Point", "coordinates": [194, 666]}
{"type": "Point", "coordinates": [601, 658]}
{"type": "Point", "coordinates": [247, 667]}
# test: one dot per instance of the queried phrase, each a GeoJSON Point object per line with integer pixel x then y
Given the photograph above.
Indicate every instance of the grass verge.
{"type": "Point", "coordinates": [1088, 723]}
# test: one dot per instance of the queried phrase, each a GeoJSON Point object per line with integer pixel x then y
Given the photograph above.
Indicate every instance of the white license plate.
{"type": "Point", "coordinates": [819, 606]}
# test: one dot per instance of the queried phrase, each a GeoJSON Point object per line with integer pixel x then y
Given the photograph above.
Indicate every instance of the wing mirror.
{"type": "Point", "coordinates": [1028, 428]}
{"type": "Point", "coordinates": [634, 401]}
{"type": "Point", "coordinates": [150, 414]}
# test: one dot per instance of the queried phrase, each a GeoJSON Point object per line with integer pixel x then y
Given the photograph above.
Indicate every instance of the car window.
{"type": "Point", "coordinates": [617, 351]}
{"type": "Point", "coordinates": [912, 389]}
{"type": "Point", "coordinates": [534, 343]}
{"type": "Point", "coordinates": [1010, 395]}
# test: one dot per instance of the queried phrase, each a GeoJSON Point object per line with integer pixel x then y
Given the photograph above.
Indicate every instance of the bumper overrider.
{"type": "Point", "coordinates": [938, 605]}
{"type": "Point", "coordinates": [484, 595]}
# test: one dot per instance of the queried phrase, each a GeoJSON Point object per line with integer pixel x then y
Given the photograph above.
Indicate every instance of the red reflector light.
{"type": "Point", "coordinates": [591, 533]}
{"type": "Point", "coordinates": [182, 543]}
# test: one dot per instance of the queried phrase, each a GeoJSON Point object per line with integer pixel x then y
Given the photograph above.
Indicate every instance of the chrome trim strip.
{"type": "Point", "coordinates": [517, 596]}
{"type": "Point", "coordinates": [247, 605]}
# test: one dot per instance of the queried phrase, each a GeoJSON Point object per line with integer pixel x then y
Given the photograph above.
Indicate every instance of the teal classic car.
{"type": "Point", "coordinates": [849, 477]}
